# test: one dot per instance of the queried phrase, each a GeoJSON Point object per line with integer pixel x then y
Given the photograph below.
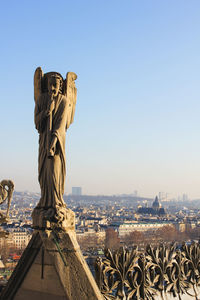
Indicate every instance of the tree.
{"type": "Point", "coordinates": [87, 242]}
{"type": "Point", "coordinates": [167, 233]}
{"type": "Point", "coordinates": [134, 238]}
{"type": "Point", "coordinates": [112, 240]}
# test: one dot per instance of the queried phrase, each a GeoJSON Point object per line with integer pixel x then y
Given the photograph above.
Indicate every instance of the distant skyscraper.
{"type": "Point", "coordinates": [76, 191]}
{"type": "Point", "coordinates": [185, 197]}
{"type": "Point", "coordinates": [161, 196]}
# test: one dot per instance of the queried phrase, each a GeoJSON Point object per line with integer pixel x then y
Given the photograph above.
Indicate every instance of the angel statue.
{"type": "Point", "coordinates": [55, 101]}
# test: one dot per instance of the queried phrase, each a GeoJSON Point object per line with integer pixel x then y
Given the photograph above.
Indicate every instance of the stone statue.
{"type": "Point", "coordinates": [6, 191]}
{"type": "Point", "coordinates": [55, 101]}
{"type": "Point", "coordinates": [52, 259]}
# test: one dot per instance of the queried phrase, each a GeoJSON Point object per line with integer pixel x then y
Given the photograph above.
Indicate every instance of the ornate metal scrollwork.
{"type": "Point", "coordinates": [161, 270]}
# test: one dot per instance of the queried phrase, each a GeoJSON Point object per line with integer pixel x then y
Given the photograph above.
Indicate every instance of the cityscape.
{"type": "Point", "coordinates": [100, 168]}
{"type": "Point", "coordinates": [105, 221]}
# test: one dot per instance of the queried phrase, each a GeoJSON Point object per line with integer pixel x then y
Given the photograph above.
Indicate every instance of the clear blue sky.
{"type": "Point", "coordinates": [137, 121]}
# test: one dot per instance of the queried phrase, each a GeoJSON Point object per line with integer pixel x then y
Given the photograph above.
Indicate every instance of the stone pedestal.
{"type": "Point", "coordinates": [50, 218]}
{"type": "Point", "coordinates": [52, 268]}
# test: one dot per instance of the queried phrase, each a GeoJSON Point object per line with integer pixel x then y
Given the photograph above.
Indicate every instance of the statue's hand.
{"type": "Point", "coordinates": [50, 107]}
{"type": "Point", "coordinates": [52, 148]}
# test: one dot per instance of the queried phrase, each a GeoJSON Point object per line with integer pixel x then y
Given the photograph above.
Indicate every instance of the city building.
{"type": "Point", "coordinates": [156, 209]}
{"type": "Point", "coordinates": [127, 228]}
{"type": "Point", "coordinates": [18, 237]}
{"type": "Point", "coordinates": [76, 191]}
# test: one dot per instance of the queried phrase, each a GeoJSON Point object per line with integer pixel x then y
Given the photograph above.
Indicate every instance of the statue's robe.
{"type": "Point", "coordinates": [52, 171]}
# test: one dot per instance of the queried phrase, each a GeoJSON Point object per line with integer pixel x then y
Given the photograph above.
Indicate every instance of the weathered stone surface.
{"type": "Point", "coordinates": [72, 268]}
{"type": "Point", "coordinates": [34, 295]}
{"type": "Point", "coordinates": [42, 219]}
{"type": "Point", "coordinates": [44, 279]}
{"type": "Point", "coordinates": [52, 267]}
{"type": "Point", "coordinates": [44, 257]}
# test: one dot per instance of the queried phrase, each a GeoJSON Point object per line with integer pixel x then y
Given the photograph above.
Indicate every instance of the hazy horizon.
{"type": "Point", "coordinates": [178, 197]}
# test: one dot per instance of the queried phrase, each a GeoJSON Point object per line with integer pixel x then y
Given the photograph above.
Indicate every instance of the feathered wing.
{"type": "Point", "coordinates": [71, 94]}
{"type": "Point", "coordinates": [38, 83]}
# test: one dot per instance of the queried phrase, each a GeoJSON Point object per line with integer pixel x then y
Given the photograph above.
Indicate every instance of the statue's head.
{"type": "Point", "coordinates": [53, 82]}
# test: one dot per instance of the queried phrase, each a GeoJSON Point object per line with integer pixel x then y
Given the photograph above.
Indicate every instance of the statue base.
{"type": "Point", "coordinates": [52, 267]}
{"type": "Point", "coordinates": [53, 218]}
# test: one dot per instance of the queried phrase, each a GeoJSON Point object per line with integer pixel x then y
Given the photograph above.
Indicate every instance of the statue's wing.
{"type": "Point", "coordinates": [38, 83]}
{"type": "Point", "coordinates": [71, 94]}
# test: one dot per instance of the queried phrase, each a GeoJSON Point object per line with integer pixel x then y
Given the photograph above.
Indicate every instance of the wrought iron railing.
{"type": "Point", "coordinates": [158, 271]}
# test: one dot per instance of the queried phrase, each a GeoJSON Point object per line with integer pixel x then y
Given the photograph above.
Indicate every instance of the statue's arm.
{"type": "Point", "coordinates": [59, 126]}
{"type": "Point", "coordinates": [62, 112]}
{"type": "Point", "coordinates": [52, 148]}
{"type": "Point", "coordinates": [39, 118]}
